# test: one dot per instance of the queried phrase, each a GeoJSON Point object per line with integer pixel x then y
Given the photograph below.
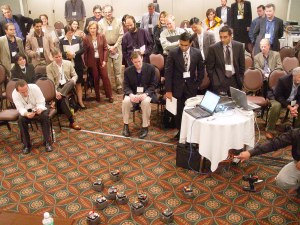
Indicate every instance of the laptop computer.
{"type": "Point", "coordinates": [240, 99]}
{"type": "Point", "coordinates": [207, 106]}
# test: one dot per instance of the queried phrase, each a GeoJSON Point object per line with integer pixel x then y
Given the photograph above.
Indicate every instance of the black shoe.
{"type": "Point", "coordinates": [26, 150]}
{"type": "Point", "coordinates": [144, 132]}
{"type": "Point", "coordinates": [126, 132]}
{"type": "Point", "coordinates": [298, 192]}
{"type": "Point", "coordinates": [48, 147]}
{"type": "Point", "coordinates": [177, 136]}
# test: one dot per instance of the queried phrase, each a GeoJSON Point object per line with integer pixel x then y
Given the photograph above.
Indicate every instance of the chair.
{"type": "Point", "coordinates": [248, 62]}
{"type": "Point", "coordinates": [274, 77]}
{"type": "Point", "coordinates": [48, 89]}
{"type": "Point", "coordinates": [286, 51]}
{"type": "Point", "coordinates": [40, 71]}
{"type": "Point", "coordinates": [3, 80]}
{"type": "Point", "coordinates": [290, 63]}
{"type": "Point", "coordinates": [10, 87]}
{"type": "Point", "coordinates": [157, 60]}
{"type": "Point", "coordinates": [59, 28]}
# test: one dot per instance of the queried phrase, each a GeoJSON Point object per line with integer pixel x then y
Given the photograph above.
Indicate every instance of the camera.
{"type": "Point", "coordinates": [251, 179]}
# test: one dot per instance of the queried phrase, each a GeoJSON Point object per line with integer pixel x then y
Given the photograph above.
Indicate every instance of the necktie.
{"type": "Point", "coordinates": [266, 66]}
{"type": "Point", "coordinates": [228, 61]}
{"type": "Point", "coordinates": [186, 61]}
{"type": "Point", "coordinates": [150, 22]}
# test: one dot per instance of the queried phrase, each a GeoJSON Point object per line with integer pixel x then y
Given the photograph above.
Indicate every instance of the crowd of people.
{"type": "Point", "coordinates": [101, 44]}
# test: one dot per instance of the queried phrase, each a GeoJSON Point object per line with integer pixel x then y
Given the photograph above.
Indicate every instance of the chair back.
{"type": "Point", "coordinates": [2, 75]}
{"type": "Point", "coordinates": [205, 82]}
{"type": "Point", "coordinates": [286, 52]}
{"type": "Point", "coordinates": [185, 24]}
{"type": "Point", "coordinates": [47, 87]}
{"type": "Point", "coordinates": [40, 71]}
{"type": "Point", "coordinates": [290, 63]}
{"type": "Point", "coordinates": [10, 87]}
{"type": "Point", "coordinates": [253, 80]}
{"type": "Point", "coordinates": [274, 77]}
{"type": "Point", "coordinates": [157, 60]}
{"type": "Point", "coordinates": [248, 62]}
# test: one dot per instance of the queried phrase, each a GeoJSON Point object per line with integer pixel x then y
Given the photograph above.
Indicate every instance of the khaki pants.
{"type": "Point", "coordinates": [115, 66]}
{"type": "Point", "coordinates": [146, 110]}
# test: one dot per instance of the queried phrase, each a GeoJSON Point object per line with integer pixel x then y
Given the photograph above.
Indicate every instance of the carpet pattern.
{"type": "Point", "coordinates": [61, 181]}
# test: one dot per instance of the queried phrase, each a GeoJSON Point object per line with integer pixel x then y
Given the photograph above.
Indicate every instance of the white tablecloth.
{"type": "Point", "coordinates": [230, 130]}
{"type": "Point", "coordinates": [288, 40]}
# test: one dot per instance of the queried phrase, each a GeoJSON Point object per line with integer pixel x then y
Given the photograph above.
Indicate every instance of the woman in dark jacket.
{"type": "Point", "coordinates": [23, 70]}
{"type": "Point", "coordinates": [161, 25]}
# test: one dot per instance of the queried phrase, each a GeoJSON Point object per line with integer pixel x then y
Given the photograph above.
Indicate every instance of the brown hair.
{"type": "Point", "coordinates": [135, 54]}
{"type": "Point", "coordinates": [40, 17]}
{"type": "Point", "coordinates": [163, 13]}
{"type": "Point", "coordinates": [92, 23]}
{"type": "Point", "coordinates": [211, 10]}
{"type": "Point", "coordinates": [20, 83]}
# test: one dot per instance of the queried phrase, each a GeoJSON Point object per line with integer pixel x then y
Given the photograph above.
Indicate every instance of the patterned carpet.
{"type": "Point", "coordinates": [61, 181]}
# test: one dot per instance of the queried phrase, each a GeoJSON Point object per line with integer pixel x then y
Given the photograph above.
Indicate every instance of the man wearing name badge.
{"type": "Point", "coordinates": [30, 103]}
{"type": "Point", "coordinates": [10, 45]}
{"type": "Point", "coordinates": [224, 12]}
{"type": "Point", "coordinates": [201, 39]}
{"type": "Point", "coordinates": [112, 29]}
{"type": "Point", "coordinates": [136, 39]}
{"type": "Point", "coordinates": [97, 11]}
{"type": "Point", "coordinates": [64, 77]}
{"type": "Point", "coordinates": [269, 27]}
{"type": "Point", "coordinates": [149, 20]}
{"type": "Point", "coordinates": [38, 45]}
{"type": "Point", "coordinates": [184, 73]}
{"type": "Point", "coordinates": [75, 10]}
{"type": "Point", "coordinates": [261, 14]}
{"type": "Point", "coordinates": [139, 88]}
{"type": "Point", "coordinates": [225, 63]}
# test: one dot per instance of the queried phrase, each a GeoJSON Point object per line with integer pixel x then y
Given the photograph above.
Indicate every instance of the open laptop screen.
{"type": "Point", "coordinates": [210, 101]}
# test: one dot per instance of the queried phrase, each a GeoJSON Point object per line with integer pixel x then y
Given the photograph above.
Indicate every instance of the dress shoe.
{"type": "Point", "coordinates": [48, 147]}
{"type": "Point", "coordinates": [74, 126]}
{"type": "Point", "coordinates": [82, 107]}
{"type": "Point", "coordinates": [111, 100]}
{"type": "Point", "coordinates": [126, 131]}
{"type": "Point", "coordinates": [119, 91]}
{"type": "Point", "coordinates": [269, 135]}
{"type": "Point", "coordinates": [177, 136]}
{"type": "Point", "coordinates": [26, 150]}
{"type": "Point", "coordinates": [144, 132]}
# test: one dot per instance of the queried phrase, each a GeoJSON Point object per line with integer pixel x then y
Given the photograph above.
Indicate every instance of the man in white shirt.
{"type": "Point", "coordinates": [30, 103]}
{"type": "Point", "coordinates": [224, 12]}
{"type": "Point", "coordinates": [149, 20]}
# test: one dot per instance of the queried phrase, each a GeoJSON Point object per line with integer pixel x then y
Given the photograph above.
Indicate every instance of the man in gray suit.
{"type": "Point", "coordinates": [201, 39]}
{"type": "Point", "coordinates": [184, 73]}
{"type": "Point", "coordinates": [10, 45]}
{"type": "Point", "coordinates": [225, 63]}
{"type": "Point", "coordinates": [269, 27]}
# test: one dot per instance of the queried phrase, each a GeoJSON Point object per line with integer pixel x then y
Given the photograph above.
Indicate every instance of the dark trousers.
{"type": "Point", "coordinates": [226, 84]}
{"type": "Point", "coordinates": [63, 103]}
{"type": "Point", "coordinates": [43, 118]}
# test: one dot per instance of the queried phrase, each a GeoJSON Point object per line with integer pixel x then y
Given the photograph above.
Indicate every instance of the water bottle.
{"type": "Point", "coordinates": [54, 135]}
{"type": "Point", "coordinates": [48, 220]}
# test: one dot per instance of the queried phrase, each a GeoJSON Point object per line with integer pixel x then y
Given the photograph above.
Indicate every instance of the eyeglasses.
{"type": "Point", "coordinates": [107, 12]}
{"type": "Point", "coordinates": [97, 12]}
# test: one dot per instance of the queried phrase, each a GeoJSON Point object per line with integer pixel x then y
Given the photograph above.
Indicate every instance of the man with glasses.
{"type": "Point", "coordinates": [112, 29]}
{"type": "Point", "coordinates": [97, 10]}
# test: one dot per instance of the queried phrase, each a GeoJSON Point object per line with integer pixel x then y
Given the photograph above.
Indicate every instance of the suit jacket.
{"type": "Point", "coordinates": [283, 90]}
{"type": "Point", "coordinates": [208, 40]}
{"type": "Point", "coordinates": [219, 13]}
{"type": "Point", "coordinates": [215, 63]}
{"type": "Point", "coordinates": [5, 58]}
{"type": "Point", "coordinates": [29, 76]}
{"type": "Point", "coordinates": [174, 69]}
{"type": "Point", "coordinates": [32, 45]}
{"type": "Point", "coordinates": [148, 80]}
{"type": "Point", "coordinates": [89, 54]}
{"type": "Point", "coordinates": [24, 23]}
{"type": "Point", "coordinates": [260, 31]}
{"type": "Point", "coordinates": [53, 73]}
{"type": "Point", "coordinates": [274, 61]}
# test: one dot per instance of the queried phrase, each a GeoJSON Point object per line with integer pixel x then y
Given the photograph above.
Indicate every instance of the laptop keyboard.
{"type": "Point", "coordinates": [198, 112]}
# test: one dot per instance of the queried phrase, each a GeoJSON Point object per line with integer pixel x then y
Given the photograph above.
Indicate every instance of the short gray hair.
{"type": "Point", "coordinates": [265, 40]}
{"type": "Point", "coordinates": [296, 71]}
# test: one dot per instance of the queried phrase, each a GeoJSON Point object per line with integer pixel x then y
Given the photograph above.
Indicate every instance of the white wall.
{"type": "Point", "coordinates": [181, 9]}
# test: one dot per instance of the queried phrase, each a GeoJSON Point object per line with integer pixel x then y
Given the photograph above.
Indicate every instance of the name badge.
{"type": "Point", "coordinates": [13, 54]}
{"type": "Point", "coordinates": [228, 67]}
{"type": "Point", "coordinates": [293, 103]}
{"type": "Point", "coordinates": [109, 28]}
{"type": "Point", "coordinates": [150, 25]}
{"type": "Point", "coordinates": [186, 74]}
{"type": "Point", "coordinates": [41, 50]}
{"type": "Point", "coordinates": [74, 13]}
{"type": "Point", "coordinates": [96, 54]}
{"type": "Point", "coordinates": [268, 36]}
{"type": "Point", "coordinates": [267, 75]}
{"type": "Point", "coordinates": [140, 89]}
{"type": "Point", "coordinates": [240, 17]}
{"type": "Point", "coordinates": [62, 82]}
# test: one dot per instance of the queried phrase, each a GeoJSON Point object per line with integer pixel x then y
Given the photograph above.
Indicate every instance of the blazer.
{"type": "Point", "coordinates": [174, 68]}
{"type": "Point", "coordinates": [215, 63]}
{"type": "Point", "coordinates": [274, 61]}
{"type": "Point", "coordinates": [29, 76]}
{"type": "Point", "coordinates": [208, 40]}
{"type": "Point", "coordinates": [148, 80]}
{"type": "Point", "coordinates": [53, 73]}
{"type": "Point", "coordinates": [5, 58]}
{"type": "Point", "coordinates": [32, 45]}
{"type": "Point", "coordinates": [260, 31]}
{"type": "Point", "coordinates": [283, 90]}
{"type": "Point", "coordinates": [89, 54]}
{"type": "Point", "coordinates": [219, 14]}
{"type": "Point", "coordinates": [24, 23]}
{"type": "Point", "coordinates": [246, 22]}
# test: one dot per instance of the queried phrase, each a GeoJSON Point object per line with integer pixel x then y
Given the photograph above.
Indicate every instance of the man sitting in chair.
{"type": "Point", "coordinates": [287, 95]}
{"type": "Point", "coordinates": [30, 103]}
{"type": "Point", "coordinates": [139, 87]}
{"type": "Point", "coordinates": [64, 77]}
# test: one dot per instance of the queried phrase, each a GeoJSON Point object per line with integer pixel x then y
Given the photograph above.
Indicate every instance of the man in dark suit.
{"type": "Point", "coordinates": [22, 23]}
{"type": "Point", "coordinates": [201, 39]}
{"type": "Point", "coordinates": [287, 95]}
{"type": "Point", "coordinates": [139, 88]}
{"type": "Point", "coordinates": [224, 13]}
{"type": "Point", "coordinates": [269, 27]}
{"type": "Point", "coordinates": [184, 71]}
{"type": "Point", "coordinates": [97, 10]}
{"type": "Point", "coordinates": [225, 63]}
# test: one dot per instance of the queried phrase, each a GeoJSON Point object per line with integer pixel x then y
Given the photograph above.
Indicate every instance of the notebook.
{"type": "Point", "coordinates": [207, 106]}
{"type": "Point", "coordinates": [240, 99]}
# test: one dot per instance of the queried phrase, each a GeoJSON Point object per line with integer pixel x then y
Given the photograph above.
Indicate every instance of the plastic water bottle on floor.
{"type": "Point", "coordinates": [48, 220]}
